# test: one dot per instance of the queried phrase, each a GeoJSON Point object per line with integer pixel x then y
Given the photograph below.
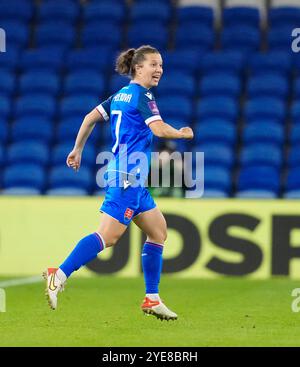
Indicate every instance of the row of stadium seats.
{"type": "Point", "coordinates": [193, 35]}
{"type": "Point", "coordinates": [256, 108]}
{"type": "Point", "coordinates": [142, 10]}
{"type": "Point", "coordinates": [92, 82]}
{"type": "Point", "coordinates": [265, 180]}
{"type": "Point", "coordinates": [210, 130]}
{"type": "Point", "coordinates": [100, 60]}
{"type": "Point", "coordinates": [216, 153]}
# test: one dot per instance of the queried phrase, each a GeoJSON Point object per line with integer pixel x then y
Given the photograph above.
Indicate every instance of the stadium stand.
{"type": "Point", "coordinates": [229, 73]}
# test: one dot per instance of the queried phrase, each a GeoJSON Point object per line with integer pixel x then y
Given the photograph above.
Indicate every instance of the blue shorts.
{"type": "Point", "coordinates": [125, 204]}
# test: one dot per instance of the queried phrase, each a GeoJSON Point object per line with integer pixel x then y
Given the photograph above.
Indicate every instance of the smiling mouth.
{"type": "Point", "coordinates": [156, 78]}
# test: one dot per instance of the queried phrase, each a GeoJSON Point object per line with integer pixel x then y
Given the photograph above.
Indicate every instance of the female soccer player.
{"type": "Point", "coordinates": [134, 118]}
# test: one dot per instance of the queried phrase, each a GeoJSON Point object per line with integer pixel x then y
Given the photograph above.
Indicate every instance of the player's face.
{"type": "Point", "coordinates": [151, 70]}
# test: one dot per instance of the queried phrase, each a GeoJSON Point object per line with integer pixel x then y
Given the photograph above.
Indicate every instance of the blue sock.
{"type": "Point", "coordinates": [152, 265]}
{"type": "Point", "coordinates": [85, 251]}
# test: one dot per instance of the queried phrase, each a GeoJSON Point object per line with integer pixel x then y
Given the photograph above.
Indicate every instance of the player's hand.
{"type": "Point", "coordinates": [74, 160]}
{"type": "Point", "coordinates": [187, 133]}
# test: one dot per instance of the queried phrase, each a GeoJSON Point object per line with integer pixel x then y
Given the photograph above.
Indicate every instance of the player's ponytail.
{"type": "Point", "coordinates": [123, 65]}
{"type": "Point", "coordinates": [127, 60]}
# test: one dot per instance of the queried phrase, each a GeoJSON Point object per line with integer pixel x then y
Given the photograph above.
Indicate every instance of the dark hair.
{"type": "Point", "coordinates": [127, 60]}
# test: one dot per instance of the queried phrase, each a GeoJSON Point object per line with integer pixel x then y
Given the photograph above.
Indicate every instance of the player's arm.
{"type": "Point", "coordinates": [86, 128]}
{"type": "Point", "coordinates": [150, 113]}
{"type": "Point", "coordinates": [164, 130]}
{"type": "Point", "coordinates": [100, 113]}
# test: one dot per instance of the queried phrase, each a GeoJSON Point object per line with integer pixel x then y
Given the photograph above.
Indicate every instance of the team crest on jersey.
{"type": "Point", "coordinates": [153, 107]}
{"type": "Point", "coordinates": [128, 214]}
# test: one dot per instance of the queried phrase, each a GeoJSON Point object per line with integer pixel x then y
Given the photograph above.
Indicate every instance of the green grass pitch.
{"type": "Point", "coordinates": [105, 311]}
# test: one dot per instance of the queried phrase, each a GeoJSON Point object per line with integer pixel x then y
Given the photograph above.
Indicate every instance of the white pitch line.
{"type": "Point", "coordinates": [20, 281]}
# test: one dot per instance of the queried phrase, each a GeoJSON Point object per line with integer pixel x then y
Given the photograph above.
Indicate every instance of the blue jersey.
{"type": "Point", "coordinates": [130, 111]}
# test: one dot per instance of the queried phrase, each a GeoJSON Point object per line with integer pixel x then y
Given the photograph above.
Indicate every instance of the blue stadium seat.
{"type": "Point", "coordinates": [1, 155]}
{"type": "Point", "coordinates": [297, 88]}
{"type": "Point", "coordinates": [195, 36]}
{"type": "Point", "coordinates": [259, 178]}
{"type": "Point", "coordinates": [60, 152]}
{"type": "Point", "coordinates": [40, 82]}
{"type": "Point", "coordinates": [64, 177]}
{"type": "Point", "coordinates": [280, 39]}
{"type": "Point", "coordinates": [117, 82]}
{"type": "Point", "coordinates": [9, 60]}
{"type": "Point", "coordinates": [5, 107]}
{"type": "Point", "coordinates": [104, 9]}
{"type": "Point", "coordinates": [217, 178]}
{"type": "Point", "coordinates": [102, 33]}
{"type": "Point", "coordinates": [64, 10]}
{"type": "Point", "coordinates": [271, 62]}
{"type": "Point", "coordinates": [3, 131]}
{"type": "Point", "coordinates": [42, 59]}
{"type": "Point", "coordinates": [293, 179]}
{"type": "Point", "coordinates": [241, 15]}
{"type": "Point", "coordinates": [284, 16]}
{"type": "Point", "coordinates": [147, 11]}
{"type": "Point", "coordinates": [223, 61]}
{"type": "Point", "coordinates": [84, 81]}
{"type": "Point", "coordinates": [204, 15]}
{"type": "Point", "coordinates": [221, 84]}
{"type": "Point", "coordinates": [261, 154]}
{"type": "Point", "coordinates": [265, 108]}
{"type": "Point", "coordinates": [142, 33]}
{"type": "Point", "coordinates": [173, 60]}
{"type": "Point", "coordinates": [38, 128]}
{"type": "Point", "coordinates": [55, 33]}
{"type": "Point", "coordinates": [105, 135]}
{"type": "Point", "coordinates": [77, 106]}
{"type": "Point", "coordinates": [292, 194]}
{"type": "Point", "coordinates": [175, 107]}
{"type": "Point", "coordinates": [66, 191]}
{"type": "Point", "coordinates": [21, 191]}
{"type": "Point", "coordinates": [215, 154]}
{"type": "Point", "coordinates": [29, 152]}
{"type": "Point", "coordinates": [263, 132]}
{"type": "Point", "coordinates": [181, 84]}
{"type": "Point", "coordinates": [16, 10]}
{"type": "Point", "coordinates": [17, 33]}
{"type": "Point", "coordinates": [294, 154]}
{"type": "Point", "coordinates": [240, 38]}
{"type": "Point", "coordinates": [256, 194]}
{"type": "Point", "coordinates": [295, 111]}
{"type": "Point", "coordinates": [295, 134]}
{"type": "Point", "coordinates": [68, 129]}
{"type": "Point", "coordinates": [218, 107]}
{"type": "Point", "coordinates": [35, 104]}
{"type": "Point", "coordinates": [7, 82]}
{"type": "Point", "coordinates": [216, 132]}
{"type": "Point", "coordinates": [214, 194]}
{"type": "Point", "coordinates": [95, 58]}
{"type": "Point", "coordinates": [24, 176]}
{"type": "Point", "coordinates": [268, 85]}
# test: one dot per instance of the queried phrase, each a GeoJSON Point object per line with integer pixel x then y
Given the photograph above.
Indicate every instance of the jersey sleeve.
{"type": "Point", "coordinates": [148, 108]}
{"type": "Point", "coordinates": [104, 108]}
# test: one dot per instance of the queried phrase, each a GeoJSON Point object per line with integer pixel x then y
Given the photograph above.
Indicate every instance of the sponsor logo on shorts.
{"type": "Point", "coordinates": [128, 214]}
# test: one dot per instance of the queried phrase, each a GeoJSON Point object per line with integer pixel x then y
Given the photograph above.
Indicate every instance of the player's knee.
{"type": "Point", "coordinates": [165, 235]}
{"type": "Point", "coordinates": [109, 240]}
